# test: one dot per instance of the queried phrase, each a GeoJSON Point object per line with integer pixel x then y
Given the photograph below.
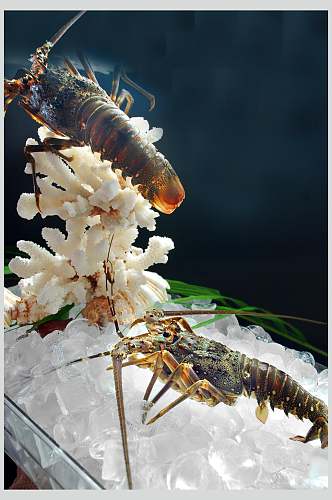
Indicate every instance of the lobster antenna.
{"type": "Point", "coordinates": [117, 370]}
{"type": "Point", "coordinates": [40, 57]}
{"type": "Point", "coordinates": [59, 34]}
{"type": "Point", "coordinates": [190, 312]}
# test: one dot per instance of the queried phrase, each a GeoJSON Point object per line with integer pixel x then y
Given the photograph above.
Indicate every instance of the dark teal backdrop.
{"type": "Point", "coordinates": [242, 99]}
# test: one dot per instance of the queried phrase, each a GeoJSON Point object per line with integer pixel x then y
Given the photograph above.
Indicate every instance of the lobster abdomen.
{"type": "Point", "coordinates": [280, 390]}
{"type": "Point", "coordinates": [108, 130]}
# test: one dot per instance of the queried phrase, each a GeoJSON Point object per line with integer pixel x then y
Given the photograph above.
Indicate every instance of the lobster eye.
{"type": "Point", "coordinates": [167, 335]}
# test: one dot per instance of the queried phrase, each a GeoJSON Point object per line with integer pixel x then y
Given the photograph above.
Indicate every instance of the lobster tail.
{"type": "Point", "coordinates": [281, 391]}
{"type": "Point", "coordinates": [108, 130]}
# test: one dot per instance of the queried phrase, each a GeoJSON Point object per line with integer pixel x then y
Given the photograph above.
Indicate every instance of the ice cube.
{"type": "Point", "coordinates": [97, 448]}
{"type": "Point", "coordinates": [323, 377]}
{"type": "Point", "coordinates": [171, 306]}
{"type": "Point", "coordinates": [292, 353]}
{"type": "Point", "coordinates": [307, 357]}
{"type": "Point", "coordinates": [236, 463]}
{"type": "Point", "coordinates": [151, 476]}
{"type": "Point", "coordinates": [198, 436]}
{"type": "Point", "coordinates": [75, 395]}
{"type": "Point", "coordinates": [192, 471]}
{"type": "Point", "coordinates": [101, 378]}
{"type": "Point", "coordinates": [74, 349]}
{"type": "Point", "coordinates": [81, 326]}
{"type": "Point", "coordinates": [220, 420]}
{"type": "Point", "coordinates": [258, 439]}
{"type": "Point", "coordinates": [246, 409]}
{"type": "Point", "coordinates": [13, 335]}
{"type": "Point", "coordinates": [243, 346]}
{"type": "Point", "coordinates": [45, 411]}
{"type": "Point", "coordinates": [113, 462]}
{"type": "Point", "coordinates": [73, 431]}
{"type": "Point", "coordinates": [178, 418]}
{"type": "Point", "coordinates": [288, 478]}
{"type": "Point", "coordinates": [279, 457]}
{"type": "Point", "coordinates": [225, 322]}
{"type": "Point", "coordinates": [53, 338]}
{"type": "Point", "coordinates": [322, 390]}
{"type": "Point", "coordinates": [271, 348]}
{"type": "Point", "coordinates": [299, 455]}
{"type": "Point", "coordinates": [304, 373]}
{"type": "Point", "coordinates": [27, 352]}
{"type": "Point", "coordinates": [167, 446]}
{"type": "Point", "coordinates": [103, 419]}
{"type": "Point", "coordinates": [318, 469]}
{"type": "Point", "coordinates": [235, 333]}
{"type": "Point", "coordinates": [260, 333]}
{"type": "Point", "coordinates": [64, 437]}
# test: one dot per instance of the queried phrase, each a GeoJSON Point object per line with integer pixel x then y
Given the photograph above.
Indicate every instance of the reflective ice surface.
{"type": "Point", "coordinates": [193, 446]}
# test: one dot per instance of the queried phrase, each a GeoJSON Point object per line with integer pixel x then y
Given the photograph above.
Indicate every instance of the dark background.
{"type": "Point", "coordinates": [242, 99]}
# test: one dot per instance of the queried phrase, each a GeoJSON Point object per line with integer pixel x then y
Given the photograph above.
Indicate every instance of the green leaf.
{"type": "Point", "coordinates": [7, 271]}
{"type": "Point", "coordinates": [181, 288]}
{"type": "Point", "coordinates": [270, 328]}
{"type": "Point", "coordinates": [273, 323]}
{"type": "Point", "coordinates": [63, 313]}
{"type": "Point", "coordinates": [192, 298]}
{"type": "Point", "coordinates": [207, 322]}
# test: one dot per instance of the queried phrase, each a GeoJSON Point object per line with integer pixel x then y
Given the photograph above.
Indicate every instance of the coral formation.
{"type": "Point", "coordinates": [102, 213]}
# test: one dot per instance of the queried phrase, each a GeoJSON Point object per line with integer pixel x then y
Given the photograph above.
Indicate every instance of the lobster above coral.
{"type": "Point", "coordinates": [78, 109]}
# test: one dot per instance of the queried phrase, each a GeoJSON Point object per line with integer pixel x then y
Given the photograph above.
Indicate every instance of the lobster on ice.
{"type": "Point", "coordinates": [206, 371]}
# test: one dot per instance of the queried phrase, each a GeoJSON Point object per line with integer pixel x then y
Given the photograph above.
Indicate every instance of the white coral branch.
{"type": "Point", "coordinates": [102, 211]}
{"type": "Point", "coordinates": [156, 253]}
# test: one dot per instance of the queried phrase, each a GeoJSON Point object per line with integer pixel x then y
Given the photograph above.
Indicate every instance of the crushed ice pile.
{"type": "Point", "coordinates": [193, 446]}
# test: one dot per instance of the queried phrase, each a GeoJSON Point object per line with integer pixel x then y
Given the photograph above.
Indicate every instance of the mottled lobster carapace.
{"type": "Point", "coordinates": [78, 109]}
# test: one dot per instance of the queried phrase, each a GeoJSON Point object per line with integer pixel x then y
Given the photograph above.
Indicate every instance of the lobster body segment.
{"type": "Point", "coordinates": [77, 108]}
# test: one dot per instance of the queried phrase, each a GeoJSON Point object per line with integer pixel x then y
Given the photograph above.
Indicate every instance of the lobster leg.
{"type": "Point", "coordinates": [119, 73]}
{"type": "Point", "coordinates": [72, 68]}
{"type": "Point", "coordinates": [125, 95]}
{"type": "Point", "coordinates": [115, 83]}
{"type": "Point", "coordinates": [87, 68]}
{"type": "Point", "coordinates": [318, 430]}
{"type": "Point", "coordinates": [185, 377]}
{"type": "Point", "coordinates": [139, 89]}
{"type": "Point", "coordinates": [158, 367]}
{"type": "Point", "coordinates": [184, 323]}
{"type": "Point", "coordinates": [51, 144]}
{"type": "Point", "coordinates": [189, 392]}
